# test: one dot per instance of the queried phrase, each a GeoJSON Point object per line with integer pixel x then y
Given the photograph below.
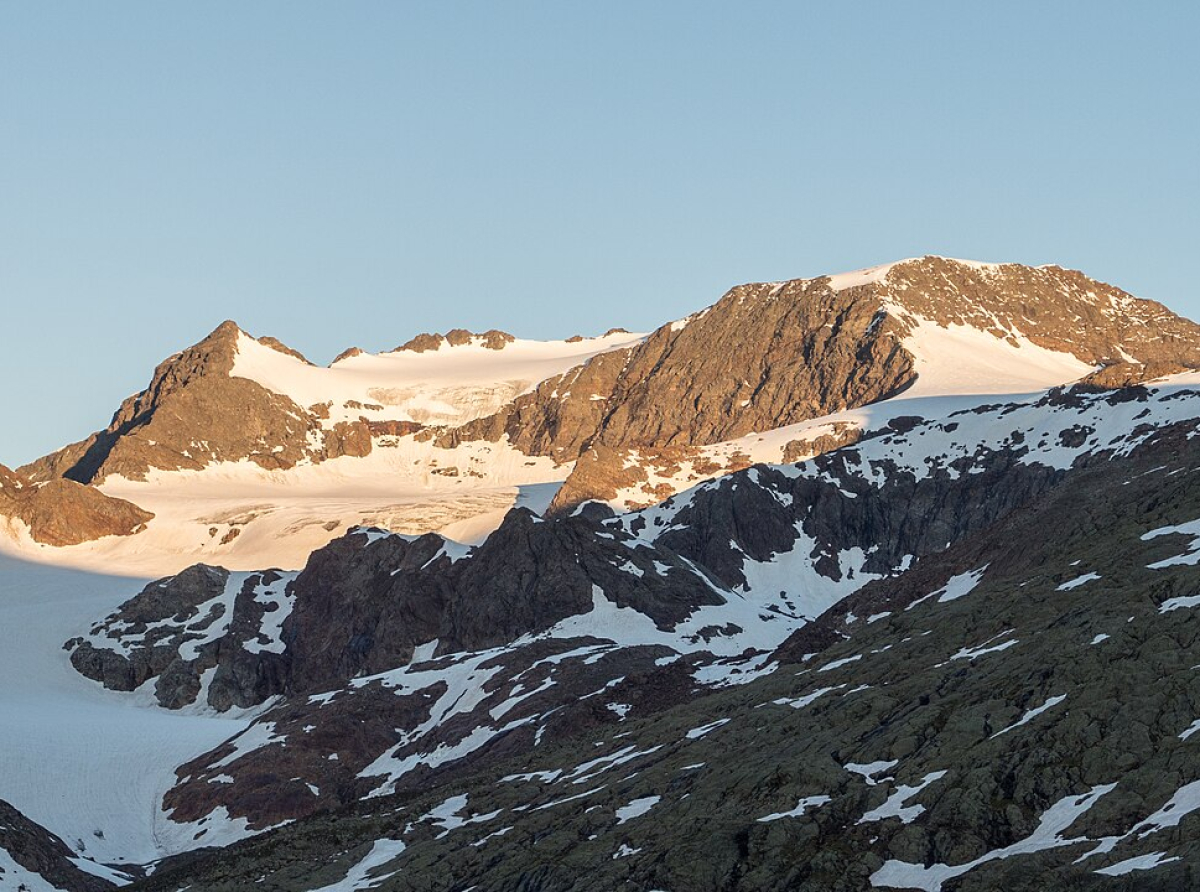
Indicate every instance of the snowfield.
{"type": "Point", "coordinates": [89, 764]}
{"type": "Point", "coordinates": [450, 385]}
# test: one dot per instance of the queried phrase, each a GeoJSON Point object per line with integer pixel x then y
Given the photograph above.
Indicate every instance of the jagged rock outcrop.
{"type": "Point", "coordinates": [1130, 374]}
{"type": "Point", "coordinates": [365, 602]}
{"type": "Point", "coordinates": [203, 634]}
{"type": "Point", "coordinates": [364, 610]}
{"type": "Point", "coordinates": [63, 512]}
{"type": "Point", "coordinates": [627, 476]}
{"type": "Point", "coordinates": [840, 434]}
{"type": "Point", "coordinates": [493, 339]}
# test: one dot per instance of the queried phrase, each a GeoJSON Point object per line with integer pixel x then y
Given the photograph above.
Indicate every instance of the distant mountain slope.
{"type": "Point", "coordinates": [770, 355]}
{"type": "Point", "coordinates": [482, 413]}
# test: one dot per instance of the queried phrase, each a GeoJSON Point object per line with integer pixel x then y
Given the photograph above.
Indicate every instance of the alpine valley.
{"type": "Point", "coordinates": [881, 580]}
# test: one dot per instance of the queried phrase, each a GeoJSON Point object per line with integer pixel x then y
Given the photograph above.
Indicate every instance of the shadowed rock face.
{"type": "Point", "coordinates": [40, 852]}
{"type": "Point", "coordinates": [361, 607]}
{"type": "Point", "coordinates": [63, 512]}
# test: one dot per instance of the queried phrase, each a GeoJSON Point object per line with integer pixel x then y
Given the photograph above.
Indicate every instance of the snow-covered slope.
{"type": "Point", "coordinates": [89, 764]}
{"type": "Point", "coordinates": [450, 384]}
{"type": "Point", "coordinates": [242, 516]}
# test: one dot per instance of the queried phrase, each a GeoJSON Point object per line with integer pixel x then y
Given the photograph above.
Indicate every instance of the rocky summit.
{"type": "Point", "coordinates": [878, 580]}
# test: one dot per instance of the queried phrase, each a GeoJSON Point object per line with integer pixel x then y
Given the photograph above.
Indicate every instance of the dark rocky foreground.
{"type": "Point", "coordinates": [1015, 711]}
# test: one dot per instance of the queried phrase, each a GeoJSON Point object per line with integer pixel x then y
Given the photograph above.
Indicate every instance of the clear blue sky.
{"type": "Point", "coordinates": [340, 174]}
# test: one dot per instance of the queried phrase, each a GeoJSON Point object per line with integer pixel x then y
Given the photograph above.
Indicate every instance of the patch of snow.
{"type": "Point", "coordinates": [636, 808]}
{"type": "Point", "coordinates": [894, 806]}
{"type": "Point", "coordinates": [1179, 603]}
{"type": "Point", "coordinates": [363, 874]}
{"type": "Point", "coordinates": [960, 585]}
{"type": "Point", "coordinates": [801, 807]}
{"type": "Point", "coordinates": [800, 702]}
{"type": "Point", "coordinates": [1032, 714]}
{"type": "Point", "coordinates": [1139, 862]}
{"type": "Point", "coordinates": [697, 733]}
{"type": "Point", "coordinates": [869, 770]}
{"type": "Point", "coordinates": [1078, 581]}
{"type": "Point", "coordinates": [1056, 820]}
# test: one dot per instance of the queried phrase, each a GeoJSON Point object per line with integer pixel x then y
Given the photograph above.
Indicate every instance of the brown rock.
{"type": "Point", "coordinates": [768, 355]}
{"type": "Point", "coordinates": [494, 339]}
{"type": "Point", "coordinates": [1129, 374]}
{"type": "Point", "coordinates": [843, 434]}
{"type": "Point", "coordinates": [193, 413]}
{"type": "Point", "coordinates": [421, 343]}
{"type": "Point", "coordinates": [348, 438]}
{"type": "Point", "coordinates": [63, 512]}
{"type": "Point", "coordinates": [281, 347]}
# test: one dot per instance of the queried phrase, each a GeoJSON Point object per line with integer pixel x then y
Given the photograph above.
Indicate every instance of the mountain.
{"type": "Point", "coordinates": [405, 662]}
{"type": "Point", "coordinates": [244, 451]}
{"type": "Point", "coordinates": [879, 580]}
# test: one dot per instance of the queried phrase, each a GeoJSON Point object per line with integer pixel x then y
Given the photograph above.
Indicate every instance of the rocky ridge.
{"type": "Point", "coordinates": [31, 857]}
{"type": "Point", "coordinates": [195, 412]}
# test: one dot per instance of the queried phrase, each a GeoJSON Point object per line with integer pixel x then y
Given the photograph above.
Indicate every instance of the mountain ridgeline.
{"type": "Point", "coordinates": [763, 357]}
